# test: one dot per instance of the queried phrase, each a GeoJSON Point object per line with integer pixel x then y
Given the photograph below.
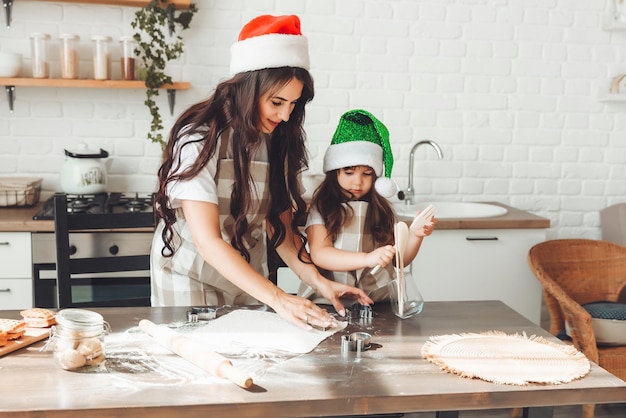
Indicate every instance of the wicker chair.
{"type": "Point", "coordinates": [578, 271]}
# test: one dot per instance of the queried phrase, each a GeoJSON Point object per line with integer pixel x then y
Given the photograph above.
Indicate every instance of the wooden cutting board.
{"type": "Point", "coordinates": [31, 336]}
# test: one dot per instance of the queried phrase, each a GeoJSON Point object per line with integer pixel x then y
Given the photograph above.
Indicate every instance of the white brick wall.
{"type": "Point", "coordinates": [509, 90]}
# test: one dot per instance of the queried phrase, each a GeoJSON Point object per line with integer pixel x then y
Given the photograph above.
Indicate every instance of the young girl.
{"type": "Point", "coordinates": [351, 223]}
{"type": "Point", "coordinates": [230, 169]}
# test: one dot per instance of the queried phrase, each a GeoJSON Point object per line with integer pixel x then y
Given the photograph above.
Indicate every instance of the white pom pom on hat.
{"type": "Point", "coordinates": [386, 186]}
{"type": "Point", "coordinates": [361, 139]}
{"type": "Point", "coordinates": [270, 42]}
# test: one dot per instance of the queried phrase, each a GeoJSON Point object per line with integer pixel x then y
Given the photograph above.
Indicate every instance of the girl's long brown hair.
{"type": "Point", "coordinates": [329, 198]}
{"type": "Point", "coordinates": [235, 105]}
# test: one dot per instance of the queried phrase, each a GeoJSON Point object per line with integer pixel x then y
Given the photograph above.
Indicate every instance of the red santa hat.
{"type": "Point", "coordinates": [270, 42]}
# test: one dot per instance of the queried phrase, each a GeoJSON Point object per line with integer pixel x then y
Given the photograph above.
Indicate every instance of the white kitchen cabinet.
{"type": "Point", "coordinates": [480, 264]}
{"type": "Point", "coordinates": [16, 281]}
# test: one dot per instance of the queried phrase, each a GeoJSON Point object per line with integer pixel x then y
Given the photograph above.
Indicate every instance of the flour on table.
{"type": "Point", "coordinates": [261, 329]}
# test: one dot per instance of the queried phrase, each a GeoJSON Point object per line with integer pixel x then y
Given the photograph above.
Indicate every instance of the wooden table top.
{"type": "Point", "coordinates": [390, 377]}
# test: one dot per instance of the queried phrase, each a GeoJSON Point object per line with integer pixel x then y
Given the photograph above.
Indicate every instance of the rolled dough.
{"type": "Point", "coordinates": [262, 329]}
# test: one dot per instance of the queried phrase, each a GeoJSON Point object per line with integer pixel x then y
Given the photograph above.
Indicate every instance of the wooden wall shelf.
{"type": "Point", "coordinates": [180, 4]}
{"type": "Point", "coordinates": [85, 83]}
{"type": "Point", "coordinates": [11, 83]}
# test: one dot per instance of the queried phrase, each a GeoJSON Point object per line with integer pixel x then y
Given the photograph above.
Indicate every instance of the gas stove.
{"type": "Point", "coordinates": [100, 203]}
{"type": "Point", "coordinates": [134, 207]}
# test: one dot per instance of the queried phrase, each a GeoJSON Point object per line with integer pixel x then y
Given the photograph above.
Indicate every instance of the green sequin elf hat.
{"type": "Point", "coordinates": [361, 139]}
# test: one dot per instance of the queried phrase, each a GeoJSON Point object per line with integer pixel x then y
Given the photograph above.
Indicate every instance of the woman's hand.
{"type": "Point", "coordinates": [303, 312]}
{"type": "Point", "coordinates": [332, 291]}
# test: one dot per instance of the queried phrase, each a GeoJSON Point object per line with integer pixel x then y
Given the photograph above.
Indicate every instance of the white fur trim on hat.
{"type": "Point", "coordinates": [269, 51]}
{"type": "Point", "coordinates": [352, 153]}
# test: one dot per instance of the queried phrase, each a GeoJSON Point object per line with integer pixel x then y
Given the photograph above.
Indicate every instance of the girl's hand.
{"type": "Point", "coordinates": [381, 256]}
{"type": "Point", "coordinates": [427, 229]}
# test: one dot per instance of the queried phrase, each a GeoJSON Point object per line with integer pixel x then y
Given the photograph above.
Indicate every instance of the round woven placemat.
{"type": "Point", "coordinates": [502, 358]}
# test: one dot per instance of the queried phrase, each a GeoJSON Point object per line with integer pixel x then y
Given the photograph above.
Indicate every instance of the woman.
{"type": "Point", "coordinates": [351, 223]}
{"type": "Point", "coordinates": [230, 174]}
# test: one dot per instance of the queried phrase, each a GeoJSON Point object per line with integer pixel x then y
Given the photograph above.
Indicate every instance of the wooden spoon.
{"type": "Point", "coordinates": [401, 234]}
{"type": "Point", "coordinates": [403, 244]}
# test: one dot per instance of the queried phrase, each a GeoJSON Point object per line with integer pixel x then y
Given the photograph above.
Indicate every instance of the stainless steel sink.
{"type": "Point", "coordinates": [452, 210]}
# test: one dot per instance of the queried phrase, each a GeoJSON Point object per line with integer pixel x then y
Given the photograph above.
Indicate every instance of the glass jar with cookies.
{"type": "Point", "coordinates": [78, 339]}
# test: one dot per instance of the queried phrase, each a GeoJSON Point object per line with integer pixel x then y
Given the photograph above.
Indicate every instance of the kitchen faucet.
{"type": "Point", "coordinates": [407, 195]}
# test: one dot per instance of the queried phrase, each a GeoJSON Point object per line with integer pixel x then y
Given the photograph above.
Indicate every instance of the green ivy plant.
{"type": "Point", "coordinates": [158, 26]}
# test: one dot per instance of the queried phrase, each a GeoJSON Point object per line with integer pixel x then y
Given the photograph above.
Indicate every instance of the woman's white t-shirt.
{"type": "Point", "coordinates": [202, 187]}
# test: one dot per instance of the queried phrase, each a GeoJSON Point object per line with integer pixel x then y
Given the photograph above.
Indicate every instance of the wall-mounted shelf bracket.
{"type": "Point", "coordinates": [170, 20]}
{"type": "Point", "coordinates": [8, 5]}
{"type": "Point", "coordinates": [171, 100]}
{"type": "Point", "coordinates": [10, 96]}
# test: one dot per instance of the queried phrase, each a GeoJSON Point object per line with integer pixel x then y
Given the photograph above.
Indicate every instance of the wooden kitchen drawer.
{"type": "Point", "coordinates": [16, 293]}
{"type": "Point", "coordinates": [15, 255]}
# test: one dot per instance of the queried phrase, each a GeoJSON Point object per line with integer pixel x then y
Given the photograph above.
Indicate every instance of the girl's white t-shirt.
{"type": "Point", "coordinates": [314, 218]}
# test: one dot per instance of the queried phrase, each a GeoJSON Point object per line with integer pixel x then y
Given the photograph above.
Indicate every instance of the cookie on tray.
{"type": "Point", "coordinates": [38, 317]}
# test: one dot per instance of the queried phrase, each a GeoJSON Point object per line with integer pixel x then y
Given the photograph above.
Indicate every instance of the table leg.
{"type": "Point", "coordinates": [538, 412]}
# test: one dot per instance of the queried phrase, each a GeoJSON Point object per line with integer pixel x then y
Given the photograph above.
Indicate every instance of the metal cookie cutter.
{"type": "Point", "coordinates": [365, 312]}
{"type": "Point", "coordinates": [200, 314]}
{"type": "Point", "coordinates": [362, 313]}
{"type": "Point", "coordinates": [357, 341]}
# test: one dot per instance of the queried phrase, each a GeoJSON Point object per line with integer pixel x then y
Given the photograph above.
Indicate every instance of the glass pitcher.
{"type": "Point", "coordinates": [406, 299]}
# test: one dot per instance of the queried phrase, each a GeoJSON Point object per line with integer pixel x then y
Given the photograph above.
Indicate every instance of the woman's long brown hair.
{"type": "Point", "coordinates": [235, 105]}
{"type": "Point", "coordinates": [329, 198]}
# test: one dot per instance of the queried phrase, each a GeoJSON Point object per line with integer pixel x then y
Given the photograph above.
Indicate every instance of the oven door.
{"type": "Point", "coordinates": [91, 287]}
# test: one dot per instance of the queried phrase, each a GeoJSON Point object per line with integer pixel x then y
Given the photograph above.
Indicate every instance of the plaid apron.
{"type": "Point", "coordinates": [354, 237]}
{"type": "Point", "coordinates": [185, 279]}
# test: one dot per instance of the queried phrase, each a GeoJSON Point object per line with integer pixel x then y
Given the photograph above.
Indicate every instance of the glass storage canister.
{"type": "Point", "coordinates": [101, 57]}
{"type": "Point", "coordinates": [127, 57]}
{"type": "Point", "coordinates": [78, 339]}
{"type": "Point", "coordinates": [69, 55]}
{"type": "Point", "coordinates": [39, 55]}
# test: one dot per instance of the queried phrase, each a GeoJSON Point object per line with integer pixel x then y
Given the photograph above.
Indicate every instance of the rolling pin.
{"type": "Point", "coordinates": [195, 353]}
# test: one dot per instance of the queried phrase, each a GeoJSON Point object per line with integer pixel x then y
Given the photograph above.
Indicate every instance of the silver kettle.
{"type": "Point", "coordinates": [84, 171]}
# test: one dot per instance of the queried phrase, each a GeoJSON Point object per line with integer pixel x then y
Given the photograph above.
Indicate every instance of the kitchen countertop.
{"type": "Point", "coordinates": [391, 377]}
{"type": "Point", "coordinates": [513, 219]}
{"type": "Point", "coordinates": [21, 220]}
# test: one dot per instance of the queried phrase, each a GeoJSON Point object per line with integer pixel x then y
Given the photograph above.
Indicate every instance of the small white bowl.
{"type": "Point", "coordinates": [10, 64]}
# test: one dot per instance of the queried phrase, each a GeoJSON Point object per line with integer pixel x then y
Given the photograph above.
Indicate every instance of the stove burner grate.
{"type": "Point", "coordinates": [79, 205]}
{"type": "Point", "coordinates": [100, 203]}
{"type": "Point", "coordinates": [136, 206]}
